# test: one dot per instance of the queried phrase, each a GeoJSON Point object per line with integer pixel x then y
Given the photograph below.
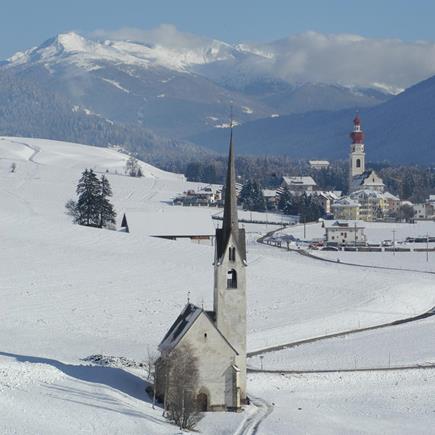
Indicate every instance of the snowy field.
{"type": "Point", "coordinates": [348, 403]}
{"type": "Point", "coordinates": [397, 346]}
{"type": "Point", "coordinates": [69, 292]}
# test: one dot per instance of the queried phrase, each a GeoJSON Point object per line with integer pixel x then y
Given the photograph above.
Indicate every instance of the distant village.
{"type": "Point", "coordinates": [366, 200]}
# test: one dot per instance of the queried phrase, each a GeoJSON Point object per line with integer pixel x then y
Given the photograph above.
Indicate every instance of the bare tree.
{"type": "Point", "coordinates": [71, 210]}
{"type": "Point", "coordinates": [150, 363]}
{"type": "Point", "coordinates": [181, 384]}
{"type": "Point", "coordinates": [132, 167]}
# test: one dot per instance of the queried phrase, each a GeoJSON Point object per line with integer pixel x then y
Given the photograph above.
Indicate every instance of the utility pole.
{"type": "Point", "coordinates": [427, 248]}
{"type": "Point", "coordinates": [305, 227]}
{"type": "Point", "coordinates": [354, 236]}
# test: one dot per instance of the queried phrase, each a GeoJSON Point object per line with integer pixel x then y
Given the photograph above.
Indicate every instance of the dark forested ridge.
{"type": "Point", "coordinates": [401, 130]}
{"type": "Point", "coordinates": [29, 110]}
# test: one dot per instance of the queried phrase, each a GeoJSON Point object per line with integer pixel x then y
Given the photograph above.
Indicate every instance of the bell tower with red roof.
{"type": "Point", "coordinates": [357, 157]}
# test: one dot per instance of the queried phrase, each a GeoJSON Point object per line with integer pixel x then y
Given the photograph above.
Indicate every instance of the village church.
{"type": "Point", "coordinates": [359, 177]}
{"type": "Point", "coordinates": [217, 339]}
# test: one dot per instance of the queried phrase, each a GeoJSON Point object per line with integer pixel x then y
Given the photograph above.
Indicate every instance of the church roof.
{"type": "Point", "coordinates": [363, 180]}
{"type": "Point", "coordinates": [299, 181]}
{"type": "Point", "coordinates": [183, 323]}
{"type": "Point", "coordinates": [230, 224]}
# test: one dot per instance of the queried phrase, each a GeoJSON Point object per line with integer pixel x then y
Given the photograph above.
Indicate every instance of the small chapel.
{"type": "Point", "coordinates": [216, 339]}
{"type": "Point", "coordinates": [359, 177]}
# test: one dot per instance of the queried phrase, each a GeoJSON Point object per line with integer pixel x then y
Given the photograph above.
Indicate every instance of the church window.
{"type": "Point", "coordinates": [358, 163]}
{"type": "Point", "coordinates": [232, 254]}
{"type": "Point", "coordinates": [232, 279]}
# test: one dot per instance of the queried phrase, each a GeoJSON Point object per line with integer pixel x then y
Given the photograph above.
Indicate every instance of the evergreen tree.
{"type": "Point", "coordinates": [286, 202]}
{"type": "Point", "coordinates": [89, 193]}
{"type": "Point", "coordinates": [93, 207]}
{"type": "Point", "coordinates": [107, 213]}
{"type": "Point", "coordinates": [251, 196]}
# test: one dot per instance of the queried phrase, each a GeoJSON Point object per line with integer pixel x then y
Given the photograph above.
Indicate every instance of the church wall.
{"type": "Point", "coordinates": [215, 360]}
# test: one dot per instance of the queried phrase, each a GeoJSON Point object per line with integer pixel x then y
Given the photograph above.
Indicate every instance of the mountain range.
{"type": "Point", "coordinates": [165, 99]}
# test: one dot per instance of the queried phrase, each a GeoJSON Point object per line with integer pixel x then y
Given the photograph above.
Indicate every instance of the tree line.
{"type": "Point", "coordinates": [414, 183]}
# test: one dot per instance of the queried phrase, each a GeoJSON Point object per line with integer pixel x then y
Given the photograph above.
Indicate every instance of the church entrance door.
{"type": "Point", "coordinates": [202, 401]}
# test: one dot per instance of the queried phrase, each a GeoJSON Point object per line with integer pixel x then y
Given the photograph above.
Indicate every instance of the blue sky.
{"type": "Point", "coordinates": [28, 23]}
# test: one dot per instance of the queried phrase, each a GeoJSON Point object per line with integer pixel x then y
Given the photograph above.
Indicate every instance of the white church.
{"type": "Point", "coordinates": [359, 177]}
{"type": "Point", "coordinates": [216, 338]}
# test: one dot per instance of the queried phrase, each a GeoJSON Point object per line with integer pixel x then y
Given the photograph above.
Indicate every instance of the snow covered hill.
{"type": "Point", "coordinates": [69, 292]}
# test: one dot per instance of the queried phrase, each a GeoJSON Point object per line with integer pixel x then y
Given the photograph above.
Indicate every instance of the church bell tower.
{"type": "Point", "coordinates": [230, 277]}
{"type": "Point", "coordinates": [357, 153]}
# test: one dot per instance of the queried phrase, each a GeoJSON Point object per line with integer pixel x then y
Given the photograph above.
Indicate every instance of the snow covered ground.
{"type": "Point", "coordinates": [348, 403]}
{"type": "Point", "coordinates": [421, 261]}
{"type": "Point", "coordinates": [69, 292]}
{"type": "Point", "coordinates": [402, 345]}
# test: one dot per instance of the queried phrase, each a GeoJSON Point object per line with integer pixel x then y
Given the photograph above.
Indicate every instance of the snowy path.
{"type": "Point", "coordinates": [255, 417]}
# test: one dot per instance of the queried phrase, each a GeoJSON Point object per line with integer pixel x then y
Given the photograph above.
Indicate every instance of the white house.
{"type": "Point", "coordinates": [345, 233]}
{"type": "Point", "coordinates": [299, 184]}
{"type": "Point", "coordinates": [319, 164]}
{"type": "Point", "coordinates": [217, 339]}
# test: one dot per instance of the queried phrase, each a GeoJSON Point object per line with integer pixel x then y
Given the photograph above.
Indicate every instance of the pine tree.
{"type": "Point", "coordinates": [107, 213]}
{"type": "Point", "coordinates": [251, 196]}
{"type": "Point", "coordinates": [89, 192]}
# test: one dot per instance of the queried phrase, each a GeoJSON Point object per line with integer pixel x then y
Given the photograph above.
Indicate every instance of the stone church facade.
{"type": "Point", "coordinates": [216, 339]}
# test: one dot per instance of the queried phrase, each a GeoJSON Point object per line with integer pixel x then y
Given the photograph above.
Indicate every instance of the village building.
{"type": "Point", "coordinates": [326, 199]}
{"type": "Point", "coordinates": [372, 204]}
{"type": "Point", "coordinates": [392, 203]}
{"type": "Point", "coordinates": [346, 209]}
{"type": "Point", "coordinates": [271, 198]}
{"type": "Point", "coordinates": [210, 195]}
{"type": "Point", "coordinates": [359, 177]}
{"type": "Point", "coordinates": [425, 210]}
{"type": "Point", "coordinates": [299, 185]}
{"type": "Point", "coordinates": [344, 233]}
{"type": "Point", "coordinates": [319, 164]}
{"type": "Point", "coordinates": [216, 338]}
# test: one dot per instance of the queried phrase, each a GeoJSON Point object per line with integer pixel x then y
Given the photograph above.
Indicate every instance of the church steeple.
{"type": "Point", "coordinates": [230, 225]}
{"type": "Point", "coordinates": [357, 154]}
{"type": "Point", "coordinates": [231, 222]}
{"type": "Point", "coordinates": [230, 276]}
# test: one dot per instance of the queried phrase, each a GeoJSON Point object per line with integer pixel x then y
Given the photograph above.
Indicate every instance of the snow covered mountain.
{"type": "Point", "coordinates": [175, 85]}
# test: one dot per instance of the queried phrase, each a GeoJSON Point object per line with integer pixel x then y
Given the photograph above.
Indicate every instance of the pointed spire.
{"type": "Point", "coordinates": [230, 226]}
{"type": "Point", "coordinates": [230, 220]}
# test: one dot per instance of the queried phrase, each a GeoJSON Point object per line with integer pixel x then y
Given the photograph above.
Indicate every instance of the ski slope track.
{"type": "Point", "coordinates": [69, 292]}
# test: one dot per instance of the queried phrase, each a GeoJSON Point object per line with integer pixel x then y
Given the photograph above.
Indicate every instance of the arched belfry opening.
{"type": "Point", "coordinates": [232, 279]}
{"type": "Point", "coordinates": [358, 163]}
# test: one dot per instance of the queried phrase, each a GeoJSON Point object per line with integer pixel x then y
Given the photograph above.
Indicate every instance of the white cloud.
{"type": "Point", "coordinates": [166, 35]}
{"type": "Point", "coordinates": [347, 59]}
{"type": "Point", "coordinates": [353, 59]}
